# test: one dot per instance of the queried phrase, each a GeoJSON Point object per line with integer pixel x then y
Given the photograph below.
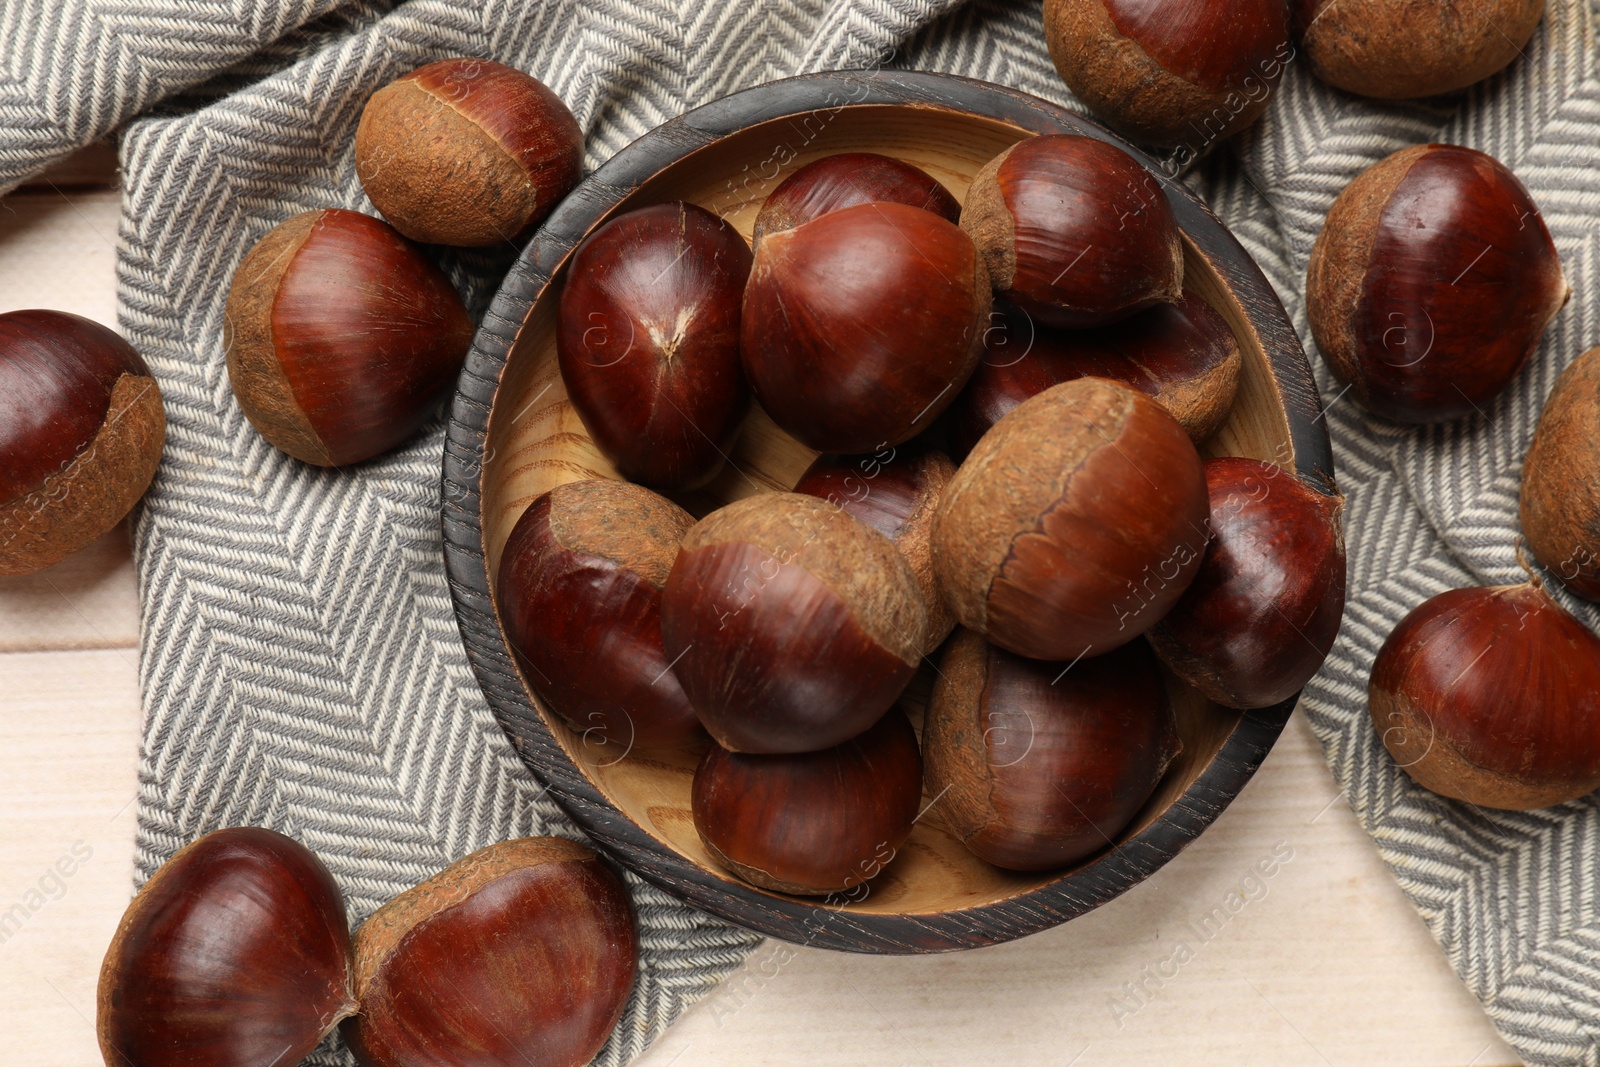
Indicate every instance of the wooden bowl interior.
{"type": "Point", "coordinates": [536, 442]}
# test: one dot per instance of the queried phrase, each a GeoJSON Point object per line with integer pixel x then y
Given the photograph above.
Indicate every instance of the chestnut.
{"type": "Point", "coordinates": [523, 952]}
{"type": "Point", "coordinates": [235, 952]}
{"type": "Point", "coordinates": [1561, 480]}
{"type": "Point", "coordinates": [1396, 50]}
{"type": "Point", "coordinates": [811, 823]}
{"type": "Point", "coordinates": [896, 492]}
{"type": "Point", "coordinates": [863, 324]}
{"type": "Point", "coordinates": [81, 432]}
{"type": "Point", "coordinates": [1074, 231]}
{"type": "Point", "coordinates": [1164, 74]}
{"type": "Point", "coordinates": [648, 341]}
{"type": "Point", "coordinates": [1075, 524]}
{"type": "Point", "coordinates": [1491, 696]}
{"type": "Point", "coordinates": [792, 625]}
{"type": "Point", "coordinates": [579, 591]}
{"type": "Point", "coordinates": [467, 152]}
{"type": "Point", "coordinates": [1263, 611]}
{"type": "Point", "coordinates": [341, 337]}
{"type": "Point", "coordinates": [1183, 355]}
{"type": "Point", "coordinates": [848, 179]}
{"type": "Point", "coordinates": [1040, 765]}
{"type": "Point", "coordinates": [1431, 283]}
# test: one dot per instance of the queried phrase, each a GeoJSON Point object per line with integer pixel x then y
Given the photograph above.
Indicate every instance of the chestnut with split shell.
{"type": "Point", "coordinates": [235, 952]}
{"type": "Point", "coordinates": [1491, 696]}
{"type": "Point", "coordinates": [1075, 524]}
{"type": "Point", "coordinates": [1040, 765]}
{"type": "Point", "coordinates": [523, 952]}
{"type": "Point", "coordinates": [845, 180]}
{"type": "Point", "coordinates": [862, 325]}
{"type": "Point", "coordinates": [579, 592]}
{"type": "Point", "coordinates": [792, 625]}
{"type": "Point", "coordinates": [648, 340]}
{"type": "Point", "coordinates": [1074, 231]}
{"type": "Point", "coordinates": [1170, 74]}
{"type": "Point", "coordinates": [467, 152]}
{"type": "Point", "coordinates": [1431, 283]}
{"type": "Point", "coordinates": [812, 823]}
{"type": "Point", "coordinates": [342, 337]}
{"type": "Point", "coordinates": [81, 433]}
{"type": "Point", "coordinates": [1262, 613]}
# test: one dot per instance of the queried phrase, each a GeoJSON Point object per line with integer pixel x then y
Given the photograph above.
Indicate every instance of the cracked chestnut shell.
{"type": "Point", "coordinates": [1075, 524]}
{"type": "Point", "coordinates": [792, 625]}
{"type": "Point", "coordinates": [1183, 355]}
{"type": "Point", "coordinates": [845, 180]}
{"type": "Point", "coordinates": [897, 493]}
{"type": "Point", "coordinates": [1431, 283]}
{"type": "Point", "coordinates": [579, 592]}
{"type": "Point", "coordinates": [1491, 696]}
{"type": "Point", "coordinates": [1397, 49]}
{"type": "Point", "coordinates": [1560, 505]}
{"type": "Point", "coordinates": [1170, 74]}
{"type": "Point", "coordinates": [1040, 765]}
{"type": "Point", "coordinates": [814, 822]}
{"type": "Point", "coordinates": [522, 953]}
{"type": "Point", "coordinates": [341, 337]}
{"type": "Point", "coordinates": [863, 324]}
{"type": "Point", "coordinates": [1074, 231]}
{"type": "Point", "coordinates": [467, 152]}
{"type": "Point", "coordinates": [1262, 613]}
{"type": "Point", "coordinates": [648, 341]}
{"type": "Point", "coordinates": [235, 952]}
{"type": "Point", "coordinates": [81, 433]}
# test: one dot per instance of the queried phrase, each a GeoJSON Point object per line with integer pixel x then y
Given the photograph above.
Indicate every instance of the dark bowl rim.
{"type": "Point", "coordinates": [822, 923]}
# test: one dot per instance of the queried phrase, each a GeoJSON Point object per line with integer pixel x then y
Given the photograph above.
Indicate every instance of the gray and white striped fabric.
{"type": "Point", "coordinates": [301, 666]}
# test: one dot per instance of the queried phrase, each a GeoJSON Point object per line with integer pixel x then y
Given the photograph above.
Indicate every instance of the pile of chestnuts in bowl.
{"type": "Point", "coordinates": [890, 513]}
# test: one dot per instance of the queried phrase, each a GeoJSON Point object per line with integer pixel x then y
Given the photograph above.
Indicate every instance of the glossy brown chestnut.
{"type": "Point", "coordinates": [1431, 283]}
{"type": "Point", "coordinates": [792, 625]}
{"type": "Point", "coordinates": [897, 493]}
{"type": "Point", "coordinates": [1396, 49]}
{"type": "Point", "coordinates": [845, 180]}
{"type": "Point", "coordinates": [814, 822]}
{"type": "Point", "coordinates": [1074, 231]}
{"type": "Point", "coordinates": [81, 432]}
{"type": "Point", "coordinates": [579, 592]}
{"type": "Point", "coordinates": [1263, 612]}
{"type": "Point", "coordinates": [1075, 524]}
{"type": "Point", "coordinates": [522, 953]}
{"type": "Point", "coordinates": [1041, 765]}
{"type": "Point", "coordinates": [1492, 696]}
{"type": "Point", "coordinates": [863, 324]}
{"type": "Point", "coordinates": [648, 338]}
{"type": "Point", "coordinates": [1561, 480]}
{"type": "Point", "coordinates": [467, 152]}
{"type": "Point", "coordinates": [1183, 355]}
{"type": "Point", "coordinates": [235, 952]}
{"type": "Point", "coordinates": [1170, 74]}
{"type": "Point", "coordinates": [341, 336]}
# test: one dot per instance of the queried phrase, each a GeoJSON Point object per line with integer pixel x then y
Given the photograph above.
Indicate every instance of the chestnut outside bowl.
{"type": "Point", "coordinates": [513, 435]}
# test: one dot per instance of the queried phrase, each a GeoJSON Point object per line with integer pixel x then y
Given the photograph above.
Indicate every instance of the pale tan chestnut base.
{"type": "Point", "coordinates": [92, 493]}
{"type": "Point", "coordinates": [536, 442]}
{"type": "Point", "coordinates": [1561, 480]}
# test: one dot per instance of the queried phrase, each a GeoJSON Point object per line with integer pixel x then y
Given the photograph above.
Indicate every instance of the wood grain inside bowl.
{"type": "Point", "coordinates": [935, 894]}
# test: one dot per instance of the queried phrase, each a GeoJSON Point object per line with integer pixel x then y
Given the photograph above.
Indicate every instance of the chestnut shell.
{"type": "Point", "coordinates": [1560, 504]}
{"type": "Point", "coordinates": [814, 822]}
{"type": "Point", "coordinates": [579, 592]}
{"type": "Point", "coordinates": [845, 180]}
{"type": "Point", "coordinates": [1040, 765]}
{"type": "Point", "coordinates": [1491, 696]}
{"type": "Point", "coordinates": [1431, 283]}
{"type": "Point", "coordinates": [648, 340]}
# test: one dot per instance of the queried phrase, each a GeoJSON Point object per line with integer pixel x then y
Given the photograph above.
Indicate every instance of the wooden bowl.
{"type": "Point", "coordinates": [513, 435]}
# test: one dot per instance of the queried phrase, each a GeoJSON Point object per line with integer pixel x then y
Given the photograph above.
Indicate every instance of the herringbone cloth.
{"type": "Point", "coordinates": [301, 666]}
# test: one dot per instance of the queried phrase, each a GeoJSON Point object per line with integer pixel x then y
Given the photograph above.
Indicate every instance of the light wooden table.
{"type": "Point", "coordinates": [1325, 964]}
